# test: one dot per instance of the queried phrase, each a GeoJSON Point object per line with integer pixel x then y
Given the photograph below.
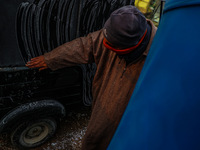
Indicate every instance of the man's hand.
{"type": "Point", "coordinates": [37, 62]}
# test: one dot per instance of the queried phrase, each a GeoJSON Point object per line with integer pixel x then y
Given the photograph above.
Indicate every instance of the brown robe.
{"type": "Point", "coordinates": [113, 83]}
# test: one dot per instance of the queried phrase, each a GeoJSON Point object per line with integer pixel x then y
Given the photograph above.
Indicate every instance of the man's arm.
{"type": "Point", "coordinates": [79, 51]}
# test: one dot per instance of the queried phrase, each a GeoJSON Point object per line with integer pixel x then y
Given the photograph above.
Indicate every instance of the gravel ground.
{"type": "Point", "coordinates": [69, 133]}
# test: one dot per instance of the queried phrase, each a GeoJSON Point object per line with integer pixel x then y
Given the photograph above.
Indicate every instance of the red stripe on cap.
{"type": "Point", "coordinates": [126, 50]}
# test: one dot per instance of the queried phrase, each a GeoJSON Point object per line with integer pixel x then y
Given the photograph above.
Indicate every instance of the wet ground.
{"type": "Point", "coordinates": [69, 133]}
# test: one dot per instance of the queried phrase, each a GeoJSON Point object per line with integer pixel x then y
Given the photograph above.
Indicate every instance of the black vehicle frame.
{"type": "Point", "coordinates": [32, 102]}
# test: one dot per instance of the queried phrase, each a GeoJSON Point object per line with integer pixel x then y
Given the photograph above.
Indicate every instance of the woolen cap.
{"type": "Point", "coordinates": [125, 27]}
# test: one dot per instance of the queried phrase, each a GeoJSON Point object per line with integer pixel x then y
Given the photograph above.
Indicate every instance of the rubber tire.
{"type": "Point", "coordinates": [32, 134]}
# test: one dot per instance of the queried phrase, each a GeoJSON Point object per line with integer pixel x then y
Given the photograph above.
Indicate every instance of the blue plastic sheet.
{"type": "Point", "coordinates": [164, 110]}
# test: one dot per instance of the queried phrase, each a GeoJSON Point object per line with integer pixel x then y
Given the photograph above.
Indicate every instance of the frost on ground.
{"type": "Point", "coordinates": [69, 133]}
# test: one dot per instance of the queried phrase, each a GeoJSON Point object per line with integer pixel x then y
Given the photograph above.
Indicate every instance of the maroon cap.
{"type": "Point", "coordinates": [125, 27]}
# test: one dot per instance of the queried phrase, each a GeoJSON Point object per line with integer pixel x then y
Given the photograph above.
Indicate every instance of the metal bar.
{"type": "Point", "coordinates": [161, 7]}
{"type": "Point", "coordinates": [12, 69]}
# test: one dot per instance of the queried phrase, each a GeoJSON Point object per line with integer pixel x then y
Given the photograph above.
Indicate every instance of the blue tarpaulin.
{"type": "Point", "coordinates": [164, 110]}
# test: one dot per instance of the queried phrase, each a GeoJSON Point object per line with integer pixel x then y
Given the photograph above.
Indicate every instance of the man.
{"type": "Point", "coordinates": [119, 51]}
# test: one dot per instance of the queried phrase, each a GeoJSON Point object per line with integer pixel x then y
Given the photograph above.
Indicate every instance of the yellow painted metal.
{"type": "Point", "coordinates": [142, 5]}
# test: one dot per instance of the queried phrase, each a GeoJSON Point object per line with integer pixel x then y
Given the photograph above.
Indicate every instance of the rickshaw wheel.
{"type": "Point", "coordinates": [33, 134]}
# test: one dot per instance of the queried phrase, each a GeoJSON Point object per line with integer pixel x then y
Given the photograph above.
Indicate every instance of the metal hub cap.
{"type": "Point", "coordinates": [35, 133]}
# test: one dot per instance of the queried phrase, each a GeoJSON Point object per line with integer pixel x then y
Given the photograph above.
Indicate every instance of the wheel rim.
{"type": "Point", "coordinates": [36, 133]}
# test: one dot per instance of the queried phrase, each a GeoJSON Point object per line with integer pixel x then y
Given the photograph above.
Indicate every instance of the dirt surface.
{"type": "Point", "coordinates": [69, 133]}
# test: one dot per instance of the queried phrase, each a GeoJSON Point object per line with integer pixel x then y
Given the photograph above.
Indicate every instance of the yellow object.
{"type": "Point", "coordinates": [142, 5]}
